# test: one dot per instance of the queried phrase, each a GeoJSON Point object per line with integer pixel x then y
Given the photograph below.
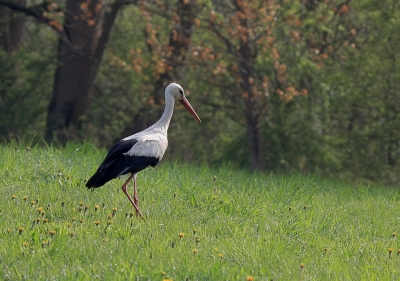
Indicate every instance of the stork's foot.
{"type": "Point", "coordinates": [135, 196]}
{"type": "Point", "coordinates": [139, 214]}
{"type": "Point", "coordinates": [136, 201]}
{"type": "Point", "coordinates": [133, 202]}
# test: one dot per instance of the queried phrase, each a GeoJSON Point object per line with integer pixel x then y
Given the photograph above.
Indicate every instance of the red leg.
{"type": "Point", "coordinates": [135, 193]}
{"type": "Point", "coordinates": [129, 197]}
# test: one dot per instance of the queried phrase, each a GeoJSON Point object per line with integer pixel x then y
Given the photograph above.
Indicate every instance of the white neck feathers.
{"type": "Point", "coordinates": [163, 122]}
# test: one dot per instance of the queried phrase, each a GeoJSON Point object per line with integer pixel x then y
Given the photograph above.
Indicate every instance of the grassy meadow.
{"type": "Point", "coordinates": [200, 223]}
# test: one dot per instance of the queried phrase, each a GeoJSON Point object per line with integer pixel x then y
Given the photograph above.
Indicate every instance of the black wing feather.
{"type": "Point", "coordinates": [123, 146]}
{"type": "Point", "coordinates": [116, 164]}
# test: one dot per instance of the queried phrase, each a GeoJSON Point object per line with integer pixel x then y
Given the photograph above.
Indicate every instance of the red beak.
{"type": "Point", "coordinates": [186, 104]}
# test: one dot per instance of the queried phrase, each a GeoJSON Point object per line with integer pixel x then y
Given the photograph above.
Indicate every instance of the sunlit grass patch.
{"type": "Point", "coordinates": [200, 224]}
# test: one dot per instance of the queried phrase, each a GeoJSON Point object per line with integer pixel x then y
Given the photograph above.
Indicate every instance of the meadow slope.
{"type": "Point", "coordinates": [200, 223]}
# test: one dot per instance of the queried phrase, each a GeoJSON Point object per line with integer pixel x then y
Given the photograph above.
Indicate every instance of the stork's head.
{"type": "Point", "coordinates": [177, 92]}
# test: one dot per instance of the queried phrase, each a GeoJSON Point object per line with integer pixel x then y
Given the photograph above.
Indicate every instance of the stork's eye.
{"type": "Point", "coordinates": [181, 91]}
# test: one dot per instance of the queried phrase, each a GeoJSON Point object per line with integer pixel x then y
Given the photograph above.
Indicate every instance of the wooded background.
{"type": "Point", "coordinates": [289, 85]}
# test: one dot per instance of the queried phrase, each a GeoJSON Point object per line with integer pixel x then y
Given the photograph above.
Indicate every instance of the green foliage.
{"type": "Point", "coordinates": [363, 106]}
{"type": "Point", "coordinates": [26, 83]}
{"type": "Point", "coordinates": [333, 108]}
{"type": "Point", "coordinates": [200, 224]}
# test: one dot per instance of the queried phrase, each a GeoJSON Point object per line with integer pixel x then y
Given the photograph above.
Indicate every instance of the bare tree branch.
{"type": "Point", "coordinates": [19, 8]}
{"type": "Point", "coordinates": [108, 22]}
{"type": "Point", "coordinates": [35, 12]}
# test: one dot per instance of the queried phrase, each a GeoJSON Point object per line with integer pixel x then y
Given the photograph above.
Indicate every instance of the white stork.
{"type": "Point", "coordinates": [141, 150]}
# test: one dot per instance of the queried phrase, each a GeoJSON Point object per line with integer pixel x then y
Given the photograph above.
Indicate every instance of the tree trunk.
{"type": "Point", "coordinates": [83, 37]}
{"type": "Point", "coordinates": [87, 27]}
{"type": "Point", "coordinates": [11, 31]}
{"type": "Point", "coordinates": [256, 159]}
{"type": "Point", "coordinates": [11, 27]}
{"type": "Point", "coordinates": [245, 59]}
{"type": "Point", "coordinates": [253, 128]}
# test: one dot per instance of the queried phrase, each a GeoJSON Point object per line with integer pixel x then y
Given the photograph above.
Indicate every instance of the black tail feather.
{"type": "Point", "coordinates": [97, 180]}
{"type": "Point", "coordinates": [120, 166]}
{"type": "Point", "coordinates": [93, 181]}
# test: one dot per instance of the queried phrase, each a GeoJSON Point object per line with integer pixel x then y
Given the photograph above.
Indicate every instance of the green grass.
{"type": "Point", "coordinates": [239, 225]}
